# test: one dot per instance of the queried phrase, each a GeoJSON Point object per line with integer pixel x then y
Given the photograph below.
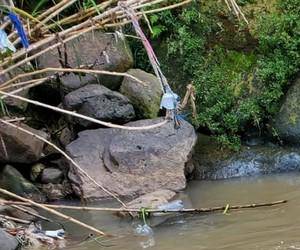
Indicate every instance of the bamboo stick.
{"type": "Point", "coordinates": [150, 210]}
{"type": "Point", "coordinates": [71, 70]}
{"type": "Point", "coordinates": [52, 211]}
{"type": "Point", "coordinates": [15, 219]}
{"type": "Point", "coordinates": [31, 213]}
{"type": "Point", "coordinates": [85, 24]}
{"type": "Point", "coordinates": [67, 157]}
{"type": "Point", "coordinates": [72, 113]}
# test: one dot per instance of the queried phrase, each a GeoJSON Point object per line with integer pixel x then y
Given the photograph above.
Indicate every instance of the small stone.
{"type": "Point", "coordinates": [51, 175]}
{"type": "Point", "coordinates": [36, 171]}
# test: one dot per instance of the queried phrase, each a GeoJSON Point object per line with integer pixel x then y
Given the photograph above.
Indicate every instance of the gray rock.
{"type": "Point", "coordinates": [18, 146]}
{"type": "Point", "coordinates": [12, 102]}
{"type": "Point", "coordinates": [7, 242]}
{"type": "Point", "coordinates": [132, 163]}
{"type": "Point", "coordinates": [145, 98]}
{"type": "Point", "coordinates": [51, 175]}
{"type": "Point", "coordinates": [12, 180]}
{"type": "Point", "coordinates": [99, 102]}
{"type": "Point", "coordinates": [287, 121]}
{"type": "Point", "coordinates": [57, 191]}
{"type": "Point", "coordinates": [151, 200]}
{"type": "Point", "coordinates": [212, 163]}
{"type": "Point", "coordinates": [96, 50]}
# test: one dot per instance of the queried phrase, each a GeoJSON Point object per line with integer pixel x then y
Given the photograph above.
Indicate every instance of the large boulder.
{"type": "Point", "coordinates": [7, 242]}
{"type": "Point", "coordinates": [287, 120]}
{"type": "Point", "coordinates": [18, 146]}
{"type": "Point", "coordinates": [95, 50]}
{"type": "Point", "coordinates": [145, 98]}
{"type": "Point", "coordinates": [131, 163]}
{"type": "Point", "coordinates": [99, 102]}
{"type": "Point", "coordinates": [212, 163]}
{"type": "Point", "coordinates": [12, 180]}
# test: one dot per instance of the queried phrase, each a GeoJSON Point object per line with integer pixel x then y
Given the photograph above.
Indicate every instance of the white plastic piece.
{"type": "Point", "coordinates": [5, 43]}
{"type": "Point", "coordinates": [59, 234]}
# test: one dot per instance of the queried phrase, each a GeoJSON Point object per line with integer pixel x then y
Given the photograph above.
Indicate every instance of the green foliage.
{"type": "Point", "coordinates": [237, 87]}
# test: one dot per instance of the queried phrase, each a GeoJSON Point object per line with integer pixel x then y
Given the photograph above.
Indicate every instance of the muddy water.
{"type": "Point", "coordinates": [262, 228]}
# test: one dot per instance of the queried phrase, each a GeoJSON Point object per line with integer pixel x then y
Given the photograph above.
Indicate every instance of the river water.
{"type": "Point", "coordinates": [265, 228]}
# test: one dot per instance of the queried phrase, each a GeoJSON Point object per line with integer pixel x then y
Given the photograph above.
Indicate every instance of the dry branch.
{"type": "Point", "coordinates": [185, 210]}
{"type": "Point", "coordinates": [52, 211]}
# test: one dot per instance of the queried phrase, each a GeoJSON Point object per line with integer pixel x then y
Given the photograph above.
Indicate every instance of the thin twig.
{"type": "Point", "coordinates": [88, 71]}
{"type": "Point", "coordinates": [72, 113]}
{"type": "Point", "coordinates": [52, 211]}
{"type": "Point", "coordinates": [150, 210]}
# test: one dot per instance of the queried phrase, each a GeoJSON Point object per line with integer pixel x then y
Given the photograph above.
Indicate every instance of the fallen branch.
{"type": "Point", "coordinates": [185, 210]}
{"type": "Point", "coordinates": [52, 211]}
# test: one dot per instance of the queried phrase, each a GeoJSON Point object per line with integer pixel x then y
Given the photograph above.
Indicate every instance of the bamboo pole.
{"type": "Point", "coordinates": [67, 157]}
{"type": "Point", "coordinates": [31, 213]}
{"type": "Point", "coordinates": [72, 113]}
{"type": "Point", "coordinates": [52, 211]}
{"type": "Point", "coordinates": [150, 210]}
{"type": "Point", "coordinates": [15, 219]}
{"type": "Point", "coordinates": [88, 71]}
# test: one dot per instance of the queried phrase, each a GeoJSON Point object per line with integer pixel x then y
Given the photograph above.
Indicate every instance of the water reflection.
{"type": "Point", "coordinates": [268, 228]}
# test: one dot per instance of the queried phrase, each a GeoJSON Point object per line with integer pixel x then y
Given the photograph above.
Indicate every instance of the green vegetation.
{"type": "Point", "coordinates": [240, 73]}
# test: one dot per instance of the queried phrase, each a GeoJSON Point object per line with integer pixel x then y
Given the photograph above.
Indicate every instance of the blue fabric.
{"type": "Point", "coordinates": [19, 27]}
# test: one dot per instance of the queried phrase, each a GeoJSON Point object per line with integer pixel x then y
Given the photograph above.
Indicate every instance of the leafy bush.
{"type": "Point", "coordinates": [239, 85]}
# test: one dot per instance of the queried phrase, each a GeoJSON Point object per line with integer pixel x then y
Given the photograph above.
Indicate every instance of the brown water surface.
{"type": "Point", "coordinates": [262, 228]}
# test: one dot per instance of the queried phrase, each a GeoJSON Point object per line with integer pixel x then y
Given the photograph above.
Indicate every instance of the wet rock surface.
{"type": "Point", "coordinates": [101, 103]}
{"type": "Point", "coordinates": [144, 97]}
{"type": "Point", "coordinates": [17, 146]}
{"type": "Point", "coordinates": [132, 163]}
{"type": "Point", "coordinates": [212, 163]}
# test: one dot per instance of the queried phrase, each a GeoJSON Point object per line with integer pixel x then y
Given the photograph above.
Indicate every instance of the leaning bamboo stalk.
{"type": "Point", "coordinates": [72, 113]}
{"type": "Point", "coordinates": [52, 9]}
{"type": "Point", "coordinates": [150, 210]}
{"type": "Point", "coordinates": [70, 70]}
{"type": "Point", "coordinates": [30, 212]}
{"type": "Point", "coordinates": [67, 157]}
{"type": "Point", "coordinates": [15, 219]}
{"type": "Point", "coordinates": [80, 16]}
{"type": "Point", "coordinates": [63, 33]}
{"type": "Point", "coordinates": [20, 84]}
{"type": "Point", "coordinates": [52, 211]}
{"type": "Point", "coordinates": [49, 17]}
